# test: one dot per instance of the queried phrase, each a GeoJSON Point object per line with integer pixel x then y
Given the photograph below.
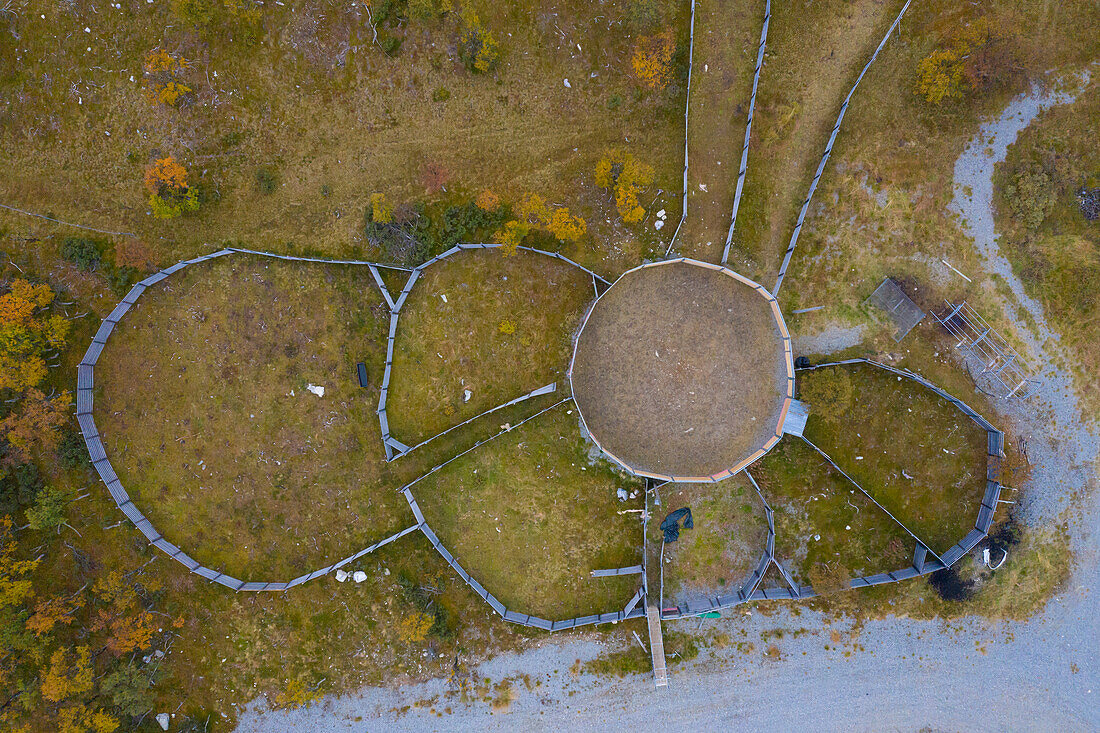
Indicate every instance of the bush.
{"type": "Point", "coordinates": [71, 451]}
{"type": "Point", "coordinates": [1030, 196]}
{"type": "Point", "coordinates": [86, 254]}
{"type": "Point", "coordinates": [642, 15]}
{"type": "Point", "coordinates": [441, 95]}
{"type": "Point", "coordinates": [197, 13]}
{"type": "Point", "coordinates": [266, 181]}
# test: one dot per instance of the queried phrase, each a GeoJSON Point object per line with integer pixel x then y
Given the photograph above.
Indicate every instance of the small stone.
{"type": "Point", "coordinates": [162, 720]}
{"type": "Point", "coordinates": [658, 224]}
{"type": "Point", "coordinates": [341, 576]}
{"type": "Point", "coordinates": [661, 214]}
{"type": "Point", "coordinates": [466, 395]}
{"type": "Point", "coordinates": [567, 84]}
{"type": "Point", "coordinates": [319, 391]}
{"type": "Point", "coordinates": [385, 571]}
{"type": "Point", "coordinates": [359, 576]}
{"type": "Point", "coordinates": [621, 493]}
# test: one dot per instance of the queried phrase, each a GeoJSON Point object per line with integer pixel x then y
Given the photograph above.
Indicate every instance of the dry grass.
{"type": "Point", "coordinates": [680, 370]}
{"type": "Point", "coordinates": [504, 329]}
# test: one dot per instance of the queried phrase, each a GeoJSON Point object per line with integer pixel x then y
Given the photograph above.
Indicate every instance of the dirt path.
{"type": "Point", "coordinates": [1042, 674]}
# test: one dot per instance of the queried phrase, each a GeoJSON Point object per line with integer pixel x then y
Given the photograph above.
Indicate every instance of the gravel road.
{"type": "Point", "coordinates": [1043, 674]}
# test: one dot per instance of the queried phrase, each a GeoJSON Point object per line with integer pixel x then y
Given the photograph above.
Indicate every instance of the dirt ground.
{"type": "Point", "coordinates": [679, 370]}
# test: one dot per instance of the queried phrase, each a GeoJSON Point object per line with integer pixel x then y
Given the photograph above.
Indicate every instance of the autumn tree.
{"type": "Point", "coordinates": [652, 59]}
{"type": "Point", "coordinates": [134, 253]}
{"type": "Point", "coordinates": [626, 177]}
{"type": "Point", "coordinates": [434, 176]}
{"type": "Point", "coordinates": [975, 58]}
{"type": "Point", "coordinates": [533, 212]}
{"type": "Point", "coordinates": [162, 77]}
{"type": "Point", "coordinates": [414, 628]}
{"type": "Point", "coordinates": [35, 424]}
{"type": "Point", "coordinates": [15, 587]}
{"type": "Point", "coordinates": [477, 47]}
{"type": "Point", "coordinates": [487, 200]}
{"type": "Point", "coordinates": [26, 333]}
{"type": "Point", "coordinates": [170, 195]}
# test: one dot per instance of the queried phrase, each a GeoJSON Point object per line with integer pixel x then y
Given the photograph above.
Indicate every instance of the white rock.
{"type": "Point", "coordinates": [385, 571]}
{"type": "Point", "coordinates": [341, 576]}
{"type": "Point", "coordinates": [661, 214]}
{"type": "Point", "coordinates": [444, 296]}
{"type": "Point", "coordinates": [162, 720]}
{"type": "Point", "coordinates": [359, 576]}
{"type": "Point", "coordinates": [702, 187]}
{"type": "Point", "coordinates": [466, 395]}
{"type": "Point", "coordinates": [658, 224]}
{"type": "Point", "coordinates": [621, 493]}
{"type": "Point", "coordinates": [319, 391]}
{"type": "Point", "coordinates": [567, 84]}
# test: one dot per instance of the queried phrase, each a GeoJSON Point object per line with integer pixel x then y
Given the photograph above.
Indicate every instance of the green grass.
{"type": "Point", "coordinates": [504, 330]}
{"type": "Point", "coordinates": [1059, 261]}
{"type": "Point", "coordinates": [913, 451]}
{"type": "Point", "coordinates": [531, 519]}
{"type": "Point", "coordinates": [724, 546]}
{"type": "Point", "coordinates": [821, 518]}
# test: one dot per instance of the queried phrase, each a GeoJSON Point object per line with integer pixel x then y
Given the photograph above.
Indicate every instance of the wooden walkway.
{"type": "Point", "coordinates": [657, 646]}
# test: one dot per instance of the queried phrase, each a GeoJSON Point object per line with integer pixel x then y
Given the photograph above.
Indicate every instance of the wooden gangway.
{"type": "Point", "coordinates": [657, 646]}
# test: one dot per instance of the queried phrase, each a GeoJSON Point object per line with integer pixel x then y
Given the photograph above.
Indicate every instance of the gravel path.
{"type": "Point", "coordinates": [1043, 674]}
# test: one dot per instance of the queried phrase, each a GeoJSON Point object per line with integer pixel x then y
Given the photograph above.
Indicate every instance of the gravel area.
{"type": "Point", "coordinates": [975, 675]}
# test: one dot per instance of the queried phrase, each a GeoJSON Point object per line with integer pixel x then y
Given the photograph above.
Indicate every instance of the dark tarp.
{"type": "Point", "coordinates": [671, 525]}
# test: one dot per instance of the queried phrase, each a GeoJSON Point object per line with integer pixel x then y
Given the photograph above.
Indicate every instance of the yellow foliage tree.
{"type": "Point", "coordinates": [53, 611]}
{"type": "Point", "coordinates": [15, 589]}
{"type": "Point", "coordinates": [626, 177]}
{"type": "Point", "coordinates": [381, 211]}
{"type": "Point", "coordinates": [414, 627]}
{"type": "Point", "coordinates": [169, 193]}
{"type": "Point", "coordinates": [477, 47]}
{"type": "Point", "coordinates": [652, 59]}
{"type": "Point", "coordinates": [65, 679]}
{"type": "Point", "coordinates": [510, 236]}
{"type": "Point", "coordinates": [565, 226]}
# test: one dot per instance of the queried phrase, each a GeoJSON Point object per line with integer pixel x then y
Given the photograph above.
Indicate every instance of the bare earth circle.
{"type": "Point", "coordinates": [682, 370]}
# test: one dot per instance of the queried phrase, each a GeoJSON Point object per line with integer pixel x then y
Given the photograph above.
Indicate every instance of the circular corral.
{"type": "Point", "coordinates": [682, 370]}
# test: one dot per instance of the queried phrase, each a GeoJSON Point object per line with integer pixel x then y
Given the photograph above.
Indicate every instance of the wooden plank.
{"type": "Point", "coordinates": [657, 646]}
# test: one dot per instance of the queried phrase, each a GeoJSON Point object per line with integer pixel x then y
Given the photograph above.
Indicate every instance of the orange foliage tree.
{"type": "Point", "coordinates": [26, 333]}
{"type": "Point", "coordinates": [35, 424]}
{"type": "Point", "coordinates": [169, 193]}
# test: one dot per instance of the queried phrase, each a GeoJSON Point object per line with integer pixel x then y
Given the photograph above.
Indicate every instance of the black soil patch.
{"type": "Point", "coordinates": [680, 370]}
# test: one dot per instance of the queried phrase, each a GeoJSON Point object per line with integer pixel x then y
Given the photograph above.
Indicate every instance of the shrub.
{"type": "Point", "coordinates": [86, 254]}
{"type": "Point", "coordinates": [441, 95]}
{"type": "Point", "coordinates": [652, 59]}
{"type": "Point", "coordinates": [434, 176]}
{"type": "Point", "coordinates": [975, 59]}
{"type": "Point", "coordinates": [940, 76]}
{"type": "Point", "coordinates": [828, 391]}
{"type": "Point", "coordinates": [169, 194]}
{"type": "Point", "coordinates": [197, 13]}
{"type": "Point", "coordinates": [71, 450]}
{"type": "Point", "coordinates": [48, 511]}
{"type": "Point", "coordinates": [642, 15]}
{"type": "Point", "coordinates": [828, 578]}
{"type": "Point", "coordinates": [390, 45]}
{"type": "Point", "coordinates": [1030, 196]}
{"type": "Point", "coordinates": [614, 101]}
{"type": "Point", "coordinates": [266, 181]}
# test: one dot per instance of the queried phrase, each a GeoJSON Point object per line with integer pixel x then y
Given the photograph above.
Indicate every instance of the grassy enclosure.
{"type": "Point", "coordinates": [824, 526]}
{"type": "Point", "coordinates": [496, 325]}
{"type": "Point", "coordinates": [206, 415]}
{"type": "Point", "coordinates": [913, 451]}
{"type": "Point", "coordinates": [719, 552]}
{"type": "Point", "coordinates": [533, 517]}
